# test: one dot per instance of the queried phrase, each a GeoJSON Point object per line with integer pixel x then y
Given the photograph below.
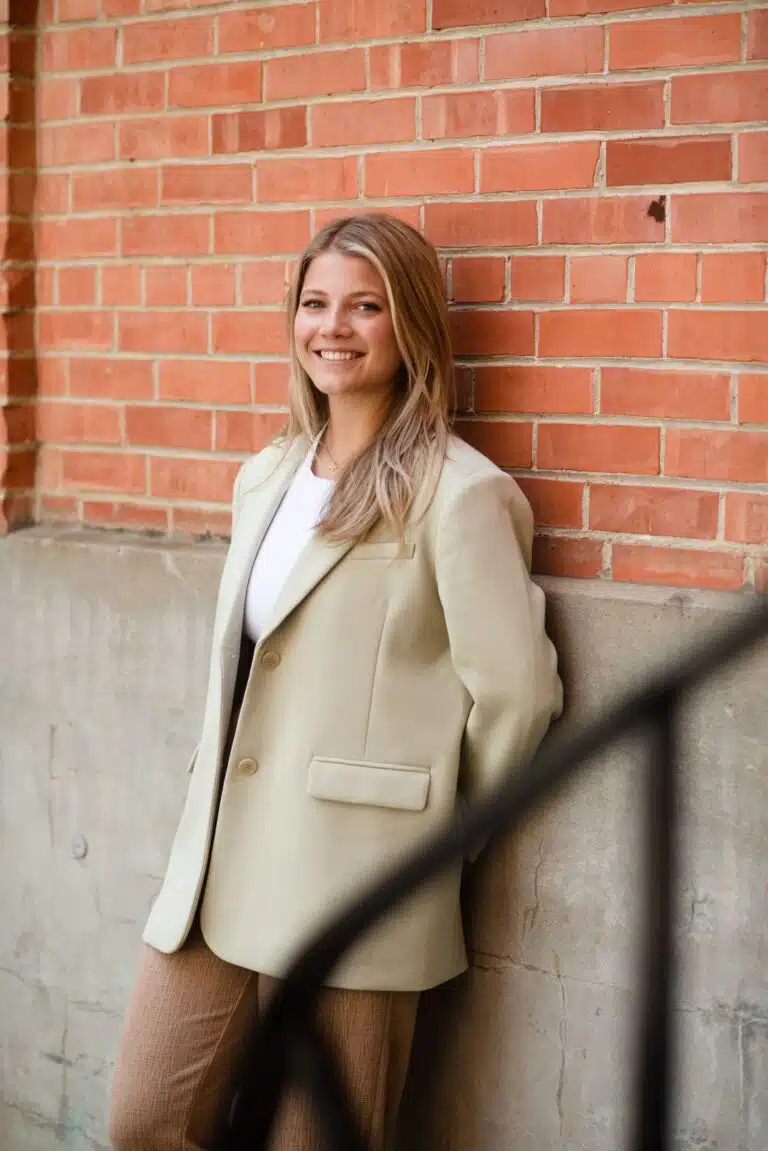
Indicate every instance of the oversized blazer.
{"type": "Point", "coordinates": [393, 682]}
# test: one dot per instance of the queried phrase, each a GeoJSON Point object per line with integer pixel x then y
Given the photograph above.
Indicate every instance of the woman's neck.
{"type": "Point", "coordinates": [349, 430]}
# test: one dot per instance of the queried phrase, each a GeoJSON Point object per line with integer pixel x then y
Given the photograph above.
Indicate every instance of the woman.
{"type": "Point", "coordinates": [379, 656]}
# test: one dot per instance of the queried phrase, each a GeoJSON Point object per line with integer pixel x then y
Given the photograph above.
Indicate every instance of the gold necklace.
{"type": "Point", "coordinates": [327, 450]}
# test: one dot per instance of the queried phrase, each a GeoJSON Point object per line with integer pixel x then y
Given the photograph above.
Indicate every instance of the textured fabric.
{"type": "Point", "coordinates": [300, 510]}
{"type": "Point", "coordinates": [432, 656]}
{"type": "Point", "coordinates": [183, 1031]}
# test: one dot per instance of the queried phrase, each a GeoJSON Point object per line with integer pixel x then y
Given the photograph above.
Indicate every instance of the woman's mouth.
{"type": "Point", "coordinates": [337, 357]}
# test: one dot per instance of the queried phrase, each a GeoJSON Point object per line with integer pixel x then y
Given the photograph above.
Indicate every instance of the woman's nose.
{"type": "Point", "coordinates": [335, 321]}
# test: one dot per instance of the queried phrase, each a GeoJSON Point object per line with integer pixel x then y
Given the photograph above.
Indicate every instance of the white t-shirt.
{"type": "Point", "coordinates": [291, 529]}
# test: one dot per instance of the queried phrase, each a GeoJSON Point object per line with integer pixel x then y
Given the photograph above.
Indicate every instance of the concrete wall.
{"type": "Point", "coordinates": [104, 643]}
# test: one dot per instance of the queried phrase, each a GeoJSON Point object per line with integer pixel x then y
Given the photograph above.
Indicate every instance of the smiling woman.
{"type": "Point", "coordinates": [379, 658]}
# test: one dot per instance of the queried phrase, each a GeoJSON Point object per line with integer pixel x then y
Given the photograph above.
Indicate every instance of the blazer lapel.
{"type": "Point", "coordinates": [313, 564]}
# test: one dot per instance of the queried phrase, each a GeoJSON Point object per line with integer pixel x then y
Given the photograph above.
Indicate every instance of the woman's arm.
{"type": "Point", "coordinates": [495, 619]}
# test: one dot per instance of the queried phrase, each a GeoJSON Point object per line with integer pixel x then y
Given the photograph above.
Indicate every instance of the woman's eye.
{"type": "Point", "coordinates": [312, 303]}
{"type": "Point", "coordinates": [370, 307]}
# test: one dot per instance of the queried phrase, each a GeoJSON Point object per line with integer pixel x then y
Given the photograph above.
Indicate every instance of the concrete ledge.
{"type": "Point", "coordinates": [105, 640]}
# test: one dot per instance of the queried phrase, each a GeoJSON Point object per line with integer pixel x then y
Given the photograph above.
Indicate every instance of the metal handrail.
{"type": "Point", "coordinates": [287, 1045]}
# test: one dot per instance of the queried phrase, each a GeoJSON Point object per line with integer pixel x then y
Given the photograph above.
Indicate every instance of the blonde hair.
{"type": "Point", "coordinates": [387, 478]}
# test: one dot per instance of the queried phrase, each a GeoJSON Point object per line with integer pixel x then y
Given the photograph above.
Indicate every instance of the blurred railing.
{"type": "Point", "coordinates": [287, 1045]}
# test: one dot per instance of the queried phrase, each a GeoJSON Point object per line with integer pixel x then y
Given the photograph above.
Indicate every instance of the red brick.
{"type": "Point", "coordinates": [163, 332]}
{"type": "Point", "coordinates": [76, 144]}
{"type": "Point", "coordinates": [166, 287]}
{"type": "Point", "coordinates": [111, 378]}
{"type": "Point", "coordinates": [666, 276]}
{"type": "Point", "coordinates": [318, 74]}
{"type": "Point", "coordinates": [605, 221]}
{"type": "Point", "coordinates": [206, 381]}
{"type": "Point", "coordinates": [78, 10]}
{"type": "Point", "coordinates": [555, 503]}
{"type": "Point", "coordinates": [753, 399]}
{"type": "Point", "coordinates": [56, 509]}
{"type": "Point", "coordinates": [78, 49]}
{"type": "Point", "coordinates": [492, 333]}
{"type": "Point", "coordinates": [207, 184]}
{"type": "Point", "coordinates": [475, 13]}
{"type": "Point", "coordinates": [319, 178]}
{"type": "Point", "coordinates": [720, 98]}
{"type": "Point", "coordinates": [201, 523]}
{"type": "Point", "coordinates": [249, 333]}
{"type": "Point", "coordinates": [590, 7]}
{"type": "Point", "coordinates": [270, 382]}
{"type": "Point", "coordinates": [408, 213]}
{"type": "Point", "coordinates": [535, 388]}
{"type": "Point", "coordinates": [214, 85]}
{"type": "Point", "coordinates": [263, 282]}
{"type": "Point", "coordinates": [77, 287]}
{"type": "Point", "coordinates": [57, 97]}
{"type": "Point", "coordinates": [604, 333]}
{"type": "Point", "coordinates": [757, 34]}
{"type": "Point", "coordinates": [761, 575]}
{"type": "Point", "coordinates": [169, 427]}
{"type": "Point", "coordinates": [80, 329]}
{"type": "Point", "coordinates": [180, 235]}
{"type": "Point", "coordinates": [384, 66]}
{"type": "Point", "coordinates": [260, 130]}
{"type": "Point", "coordinates": [156, 139]}
{"type": "Point", "coordinates": [20, 422]}
{"type": "Point", "coordinates": [602, 107]}
{"type": "Point", "coordinates": [544, 52]}
{"type": "Point", "coordinates": [672, 512]}
{"type": "Point", "coordinates": [422, 173]}
{"type": "Point", "coordinates": [726, 218]}
{"type": "Point", "coordinates": [539, 166]}
{"type": "Point", "coordinates": [599, 279]}
{"type": "Point", "coordinates": [52, 193]}
{"type": "Point", "coordinates": [567, 556]}
{"type": "Point", "coordinates": [121, 7]}
{"type": "Point", "coordinates": [18, 471]}
{"type": "Point", "coordinates": [167, 39]}
{"type": "Point", "coordinates": [746, 517]}
{"type": "Point", "coordinates": [741, 457]}
{"type": "Point", "coordinates": [203, 480]}
{"type": "Point", "coordinates": [538, 277]}
{"type": "Point", "coordinates": [456, 115]}
{"type": "Point", "coordinates": [213, 285]}
{"type": "Point", "coordinates": [598, 448]}
{"type": "Point", "coordinates": [502, 224]}
{"type": "Point", "coordinates": [670, 395]}
{"type": "Point", "coordinates": [122, 92]}
{"type": "Point", "coordinates": [247, 431]}
{"type": "Point", "coordinates": [508, 444]}
{"type": "Point", "coordinates": [363, 122]}
{"type": "Point", "coordinates": [104, 471]}
{"type": "Point", "coordinates": [260, 233]}
{"type": "Point", "coordinates": [20, 331]}
{"type": "Point", "coordinates": [478, 280]}
{"type": "Point", "coordinates": [48, 378]}
{"type": "Point", "coordinates": [116, 189]}
{"type": "Point", "coordinates": [753, 156]}
{"type": "Point", "coordinates": [111, 514]}
{"type": "Point", "coordinates": [264, 29]}
{"type": "Point", "coordinates": [682, 42]}
{"type": "Point", "coordinates": [73, 423]}
{"type": "Point", "coordinates": [668, 161]}
{"type": "Point", "coordinates": [718, 335]}
{"type": "Point", "coordinates": [426, 64]}
{"type": "Point", "coordinates": [733, 276]}
{"type": "Point", "coordinates": [677, 567]}
{"type": "Point", "coordinates": [355, 20]}
{"type": "Point", "coordinates": [121, 285]}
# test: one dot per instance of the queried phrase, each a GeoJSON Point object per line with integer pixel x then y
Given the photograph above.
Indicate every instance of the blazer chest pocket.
{"type": "Point", "coordinates": [369, 784]}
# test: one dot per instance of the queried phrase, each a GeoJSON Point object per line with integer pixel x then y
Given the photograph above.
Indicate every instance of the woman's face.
{"type": "Point", "coordinates": [343, 328]}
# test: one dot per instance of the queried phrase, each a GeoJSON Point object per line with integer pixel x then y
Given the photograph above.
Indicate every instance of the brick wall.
{"type": "Point", "coordinates": [594, 172]}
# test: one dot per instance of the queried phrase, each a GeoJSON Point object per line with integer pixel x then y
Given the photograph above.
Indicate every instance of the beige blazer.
{"type": "Point", "coordinates": [390, 682]}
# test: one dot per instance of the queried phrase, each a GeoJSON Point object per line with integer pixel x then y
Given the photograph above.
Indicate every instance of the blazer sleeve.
{"type": "Point", "coordinates": [495, 619]}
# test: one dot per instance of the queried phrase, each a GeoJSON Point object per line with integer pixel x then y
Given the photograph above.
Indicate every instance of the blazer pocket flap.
{"type": "Point", "coordinates": [384, 550]}
{"type": "Point", "coordinates": [371, 784]}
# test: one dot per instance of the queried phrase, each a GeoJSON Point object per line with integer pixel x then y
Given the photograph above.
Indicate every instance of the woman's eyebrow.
{"type": "Point", "coordinates": [351, 296]}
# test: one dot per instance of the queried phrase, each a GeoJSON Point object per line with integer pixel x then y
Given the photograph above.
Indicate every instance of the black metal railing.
{"type": "Point", "coordinates": [287, 1045]}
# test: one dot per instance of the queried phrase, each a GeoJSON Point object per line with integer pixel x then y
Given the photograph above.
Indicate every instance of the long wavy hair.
{"type": "Point", "coordinates": [390, 476]}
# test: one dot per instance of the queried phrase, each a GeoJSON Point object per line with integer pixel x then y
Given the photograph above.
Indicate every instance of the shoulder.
{"type": "Point", "coordinates": [467, 472]}
{"type": "Point", "coordinates": [259, 467]}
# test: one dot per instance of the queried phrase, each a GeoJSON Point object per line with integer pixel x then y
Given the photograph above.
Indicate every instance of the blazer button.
{"type": "Point", "coordinates": [247, 767]}
{"type": "Point", "coordinates": [270, 660]}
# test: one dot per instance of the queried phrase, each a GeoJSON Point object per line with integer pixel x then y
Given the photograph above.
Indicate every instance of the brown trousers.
{"type": "Point", "coordinates": [184, 1027]}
